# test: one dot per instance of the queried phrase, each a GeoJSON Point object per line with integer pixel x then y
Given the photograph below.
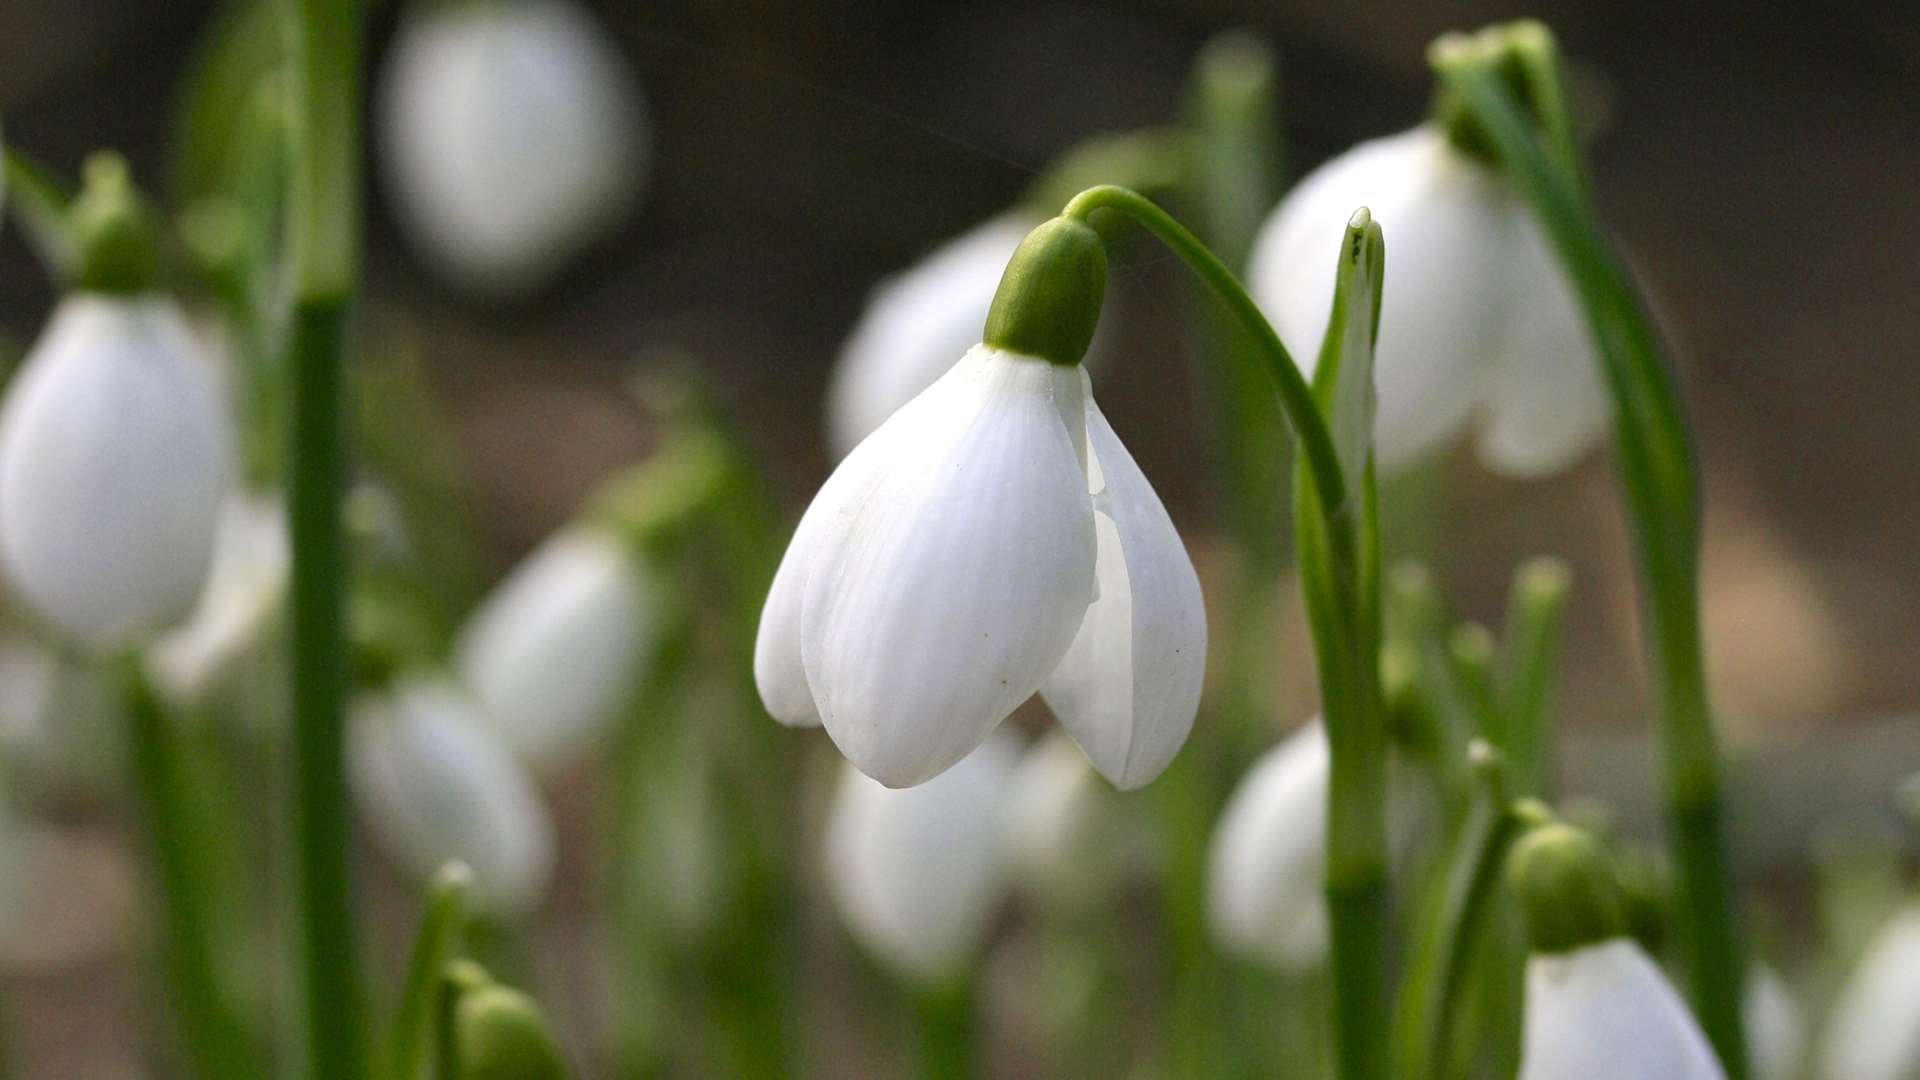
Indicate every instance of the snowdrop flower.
{"type": "Point", "coordinates": [1874, 1030]}
{"type": "Point", "coordinates": [252, 555]}
{"type": "Point", "coordinates": [1597, 1007]}
{"type": "Point", "coordinates": [1477, 315]}
{"type": "Point", "coordinates": [551, 654]}
{"type": "Point", "coordinates": [992, 539]}
{"type": "Point", "coordinates": [915, 325]}
{"type": "Point", "coordinates": [115, 456]}
{"type": "Point", "coordinates": [511, 134]}
{"type": "Point", "coordinates": [1776, 1032]}
{"type": "Point", "coordinates": [916, 872]}
{"type": "Point", "coordinates": [434, 786]}
{"type": "Point", "coordinates": [1264, 889]}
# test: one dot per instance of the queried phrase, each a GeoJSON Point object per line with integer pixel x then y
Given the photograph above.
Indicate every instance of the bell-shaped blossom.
{"type": "Point", "coordinates": [1477, 315]}
{"type": "Point", "coordinates": [434, 785]}
{"type": "Point", "coordinates": [512, 133]}
{"type": "Point", "coordinates": [916, 873]}
{"type": "Point", "coordinates": [1605, 1011]}
{"type": "Point", "coordinates": [235, 617]}
{"type": "Point", "coordinates": [950, 568]}
{"type": "Point", "coordinates": [1873, 1032]}
{"type": "Point", "coordinates": [1776, 1030]}
{"type": "Point", "coordinates": [557, 647]}
{"type": "Point", "coordinates": [115, 456]}
{"type": "Point", "coordinates": [915, 325]}
{"type": "Point", "coordinates": [1265, 870]}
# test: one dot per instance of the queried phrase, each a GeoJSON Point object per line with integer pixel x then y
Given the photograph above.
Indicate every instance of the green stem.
{"type": "Point", "coordinates": [946, 1030]}
{"type": "Point", "coordinates": [1657, 473]}
{"type": "Point", "coordinates": [412, 1044]}
{"type": "Point", "coordinates": [214, 1033]}
{"type": "Point", "coordinates": [1536, 611]}
{"type": "Point", "coordinates": [324, 227]}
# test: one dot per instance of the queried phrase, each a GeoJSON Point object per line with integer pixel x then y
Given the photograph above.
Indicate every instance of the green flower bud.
{"type": "Point", "coordinates": [1504, 45]}
{"type": "Point", "coordinates": [113, 230]}
{"type": "Point", "coordinates": [1566, 887]}
{"type": "Point", "coordinates": [500, 1033]}
{"type": "Point", "coordinates": [1050, 296]}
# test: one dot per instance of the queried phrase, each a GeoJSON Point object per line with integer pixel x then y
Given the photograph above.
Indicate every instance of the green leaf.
{"type": "Point", "coordinates": [1343, 378]}
{"type": "Point", "coordinates": [39, 200]}
{"type": "Point", "coordinates": [410, 1048]}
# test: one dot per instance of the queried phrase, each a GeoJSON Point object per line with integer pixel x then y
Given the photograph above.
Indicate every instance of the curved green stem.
{"type": "Point", "coordinates": [324, 227]}
{"type": "Point", "coordinates": [411, 1044]}
{"type": "Point", "coordinates": [1657, 473]}
{"type": "Point", "coordinates": [215, 1037]}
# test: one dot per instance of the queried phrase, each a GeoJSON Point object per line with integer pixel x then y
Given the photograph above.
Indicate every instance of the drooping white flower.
{"type": "Point", "coordinates": [916, 872]}
{"type": "Point", "coordinates": [115, 455]}
{"type": "Point", "coordinates": [950, 567]}
{"type": "Point", "coordinates": [1873, 1032]}
{"type": "Point", "coordinates": [553, 652]}
{"type": "Point", "coordinates": [1265, 869]}
{"type": "Point", "coordinates": [434, 785]}
{"type": "Point", "coordinates": [1606, 1012]}
{"type": "Point", "coordinates": [252, 556]}
{"type": "Point", "coordinates": [1776, 1030]}
{"type": "Point", "coordinates": [915, 325]}
{"type": "Point", "coordinates": [512, 133]}
{"type": "Point", "coordinates": [1477, 315]}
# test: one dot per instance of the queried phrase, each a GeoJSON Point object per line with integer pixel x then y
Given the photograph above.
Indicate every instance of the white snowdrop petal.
{"type": "Point", "coordinates": [941, 599]}
{"type": "Point", "coordinates": [916, 325]}
{"type": "Point", "coordinates": [511, 132]}
{"type": "Point", "coordinates": [1606, 1012]}
{"type": "Point", "coordinates": [1264, 870]}
{"type": "Point", "coordinates": [1129, 686]}
{"type": "Point", "coordinates": [916, 871]}
{"type": "Point", "coordinates": [1543, 402]}
{"type": "Point", "coordinates": [434, 785]}
{"type": "Point", "coordinates": [1446, 221]}
{"type": "Point", "coordinates": [554, 650]}
{"type": "Point", "coordinates": [1776, 1031]}
{"type": "Point", "coordinates": [252, 556]}
{"type": "Point", "coordinates": [115, 455]}
{"type": "Point", "coordinates": [1873, 1032]}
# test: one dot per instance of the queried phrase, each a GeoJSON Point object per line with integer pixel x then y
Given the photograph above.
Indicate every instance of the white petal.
{"type": "Point", "coordinates": [1776, 1030]}
{"type": "Point", "coordinates": [251, 558]}
{"type": "Point", "coordinates": [115, 455]}
{"type": "Point", "coordinates": [1874, 1030]}
{"type": "Point", "coordinates": [1543, 403]}
{"type": "Point", "coordinates": [1446, 220]}
{"type": "Point", "coordinates": [1129, 686]}
{"type": "Point", "coordinates": [916, 324]}
{"type": "Point", "coordinates": [939, 600]}
{"type": "Point", "coordinates": [1605, 1012]}
{"type": "Point", "coordinates": [1264, 888]}
{"type": "Point", "coordinates": [434, 786]}
{"type": "Point", "coordinates": [512, 133]}
{"type": "Point", "coordinates": [916, 872]}
{"type": "Point", "coordinates": [554, 651]}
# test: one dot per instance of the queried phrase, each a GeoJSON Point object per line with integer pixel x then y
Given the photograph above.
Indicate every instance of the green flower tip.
{"type": "Point", "coordinates": [1543, 582]}
{"type": "Point", "coordinates": [1050, 296]}
{"type": "Point", "coordinates": [113, 230]}
{"type": "Point", "coordinates": [501, 1034]}
{"type": "Point", "coordinates": [1472, 647]}
{"type": "Point", "coordinates": [1237, 66]}
{"type": "Point", "coordinates": [1509, 49]}
{"type": "Point", "coordinates": [1567, 888]}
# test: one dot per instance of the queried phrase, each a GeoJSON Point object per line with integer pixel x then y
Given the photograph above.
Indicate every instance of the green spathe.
{"type": "Point", "coordinates": [500, 1034]}
{"type": "Point", "coordinates": [113, 231]}
{"type": "Point", "coordinates": [1564, 881]}
{"type": "Point", "coordinates": [1050, 296]}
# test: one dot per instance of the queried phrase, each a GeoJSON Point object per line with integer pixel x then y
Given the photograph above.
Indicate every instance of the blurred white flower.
{"type": "Point", "coordinates": [1606, 1012]}
{"type": "Point", "coordinates": [239, 606]}
{"type": "Point", "coordinates": [61, 721]}
{"type": "Point", "coordinates": [1063, 845]}
{"type": "Point", "coordinates": [992, 539]}
{"type": "Point", "coordinates": [1776, 1032]}
{"type": "Point", "coordinates": [512, 132]}
{"type": "Point", "coordinates": [1873, 1032]}
{"type": "Point", "coordinates": [915, 324]}
{"type": "Point", "coordinates": [554, 651]}
{"type": "Point", "coordinates": [434, 785]}
{"type": "Point", "coordinates": [1265, 869]}
{"type": "Point", "coordinates": [1477, 313]}
{"type": "Point", "coordinates": [115, 455]}
{"type": "Point", "coordinates": [916, 872]}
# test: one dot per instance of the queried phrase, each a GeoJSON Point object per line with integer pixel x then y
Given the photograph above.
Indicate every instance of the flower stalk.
{"type": "Point", "coordinates": [1657, 473]}
{"type": "Point", "coordinates": [324, 231]}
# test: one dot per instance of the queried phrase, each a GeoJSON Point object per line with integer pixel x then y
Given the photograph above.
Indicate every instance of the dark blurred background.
{"type": "Point", "coordinates": [1759, 162]}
